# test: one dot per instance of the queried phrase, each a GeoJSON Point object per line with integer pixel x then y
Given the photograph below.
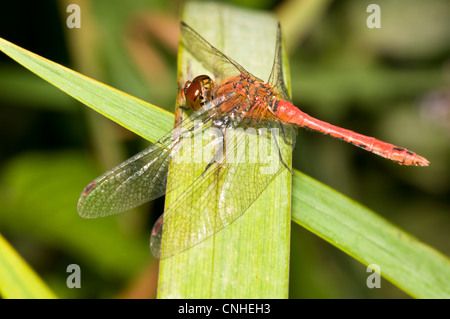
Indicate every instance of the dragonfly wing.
{"type": "Point", "coordinates": [143, 177]}
{"type": "Point", "coordinates": [156, 237]}
{"type": "Point", "coordinates": [212, 59]}
{"type": "Point", "coordinates": [136, 181]}
{"type": "Point", "coordinates": [276, 78]}
{"type": "Point", "coordinates": [224, 192]}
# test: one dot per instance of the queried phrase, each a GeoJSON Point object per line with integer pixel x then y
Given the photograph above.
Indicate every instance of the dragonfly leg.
{"type": "Point", "coordinates": [184, 107]}
{"type": "Point", "coordinates": [216, 157]}
{"type": "Point", "coordinates": [279, 151]}
{"type": "Point", "coordinates": [282, 130]}
{"type": "Point", "coordinates": [284, 137]}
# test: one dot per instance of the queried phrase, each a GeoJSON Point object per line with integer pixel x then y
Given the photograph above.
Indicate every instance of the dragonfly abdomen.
{"type": "Point", "coordinates": [287, 112]}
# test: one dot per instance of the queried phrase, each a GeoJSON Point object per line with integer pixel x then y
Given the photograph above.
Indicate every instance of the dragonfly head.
{"type": "Point", "coordinates": [198, 91]}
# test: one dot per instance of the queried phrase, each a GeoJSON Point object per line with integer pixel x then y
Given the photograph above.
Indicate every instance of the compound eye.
{"type": "Point", "coordinates": [192, 94]}
{"type": "Point", "coordinates": [198, 92]}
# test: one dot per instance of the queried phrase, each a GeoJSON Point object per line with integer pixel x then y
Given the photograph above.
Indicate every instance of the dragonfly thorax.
{"type": "Point", "coordinates": [255, 97]}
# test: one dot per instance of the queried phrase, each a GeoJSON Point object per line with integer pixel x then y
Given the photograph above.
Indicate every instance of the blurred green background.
{"type": "Point", "coordinates": [392, 83]}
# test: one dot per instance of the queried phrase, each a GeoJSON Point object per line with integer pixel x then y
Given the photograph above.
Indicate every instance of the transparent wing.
{"type": "Point", "coordinates": [219, 64]}
{"type": "Point", "coordinates": [139, 179]}
{"type": "Point", "coordinates": [143, 177]}
{"type": "Point", "coordinates": [232, 182]}
{"type": "Point", "coordinates": [224, 67]}
{"type": "Point", "coordinates": [276, 78]}
{"type": "Point", "coordinates": [226, 189]}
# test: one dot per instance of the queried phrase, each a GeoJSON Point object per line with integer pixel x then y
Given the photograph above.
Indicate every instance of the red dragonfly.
{"type": "Point", "coordinates": [227, 182]}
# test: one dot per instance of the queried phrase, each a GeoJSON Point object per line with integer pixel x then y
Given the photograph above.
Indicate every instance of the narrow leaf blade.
{"type": "Point", "coordinates": [17, 279]}
{"type": "Point", "coordinates": [411, 265]}
{"type": "Point", "coordinates": [136, 115]}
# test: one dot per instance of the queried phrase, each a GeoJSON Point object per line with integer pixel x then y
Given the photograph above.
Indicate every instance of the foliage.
{"type": "Point", "coordinates": [363, 79]}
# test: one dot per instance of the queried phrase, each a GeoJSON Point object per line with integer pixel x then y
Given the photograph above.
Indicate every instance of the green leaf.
{"type": "Point", "coordinates": [48, 213]}
{"type": "Point", "coordinates": [17, 279]}
{"type": "Point", "coordinates": [136, 115]}
{"type": "Point", "coordinates": [250, 257]}
{"type": "Point", "coordinates": [411, 265]}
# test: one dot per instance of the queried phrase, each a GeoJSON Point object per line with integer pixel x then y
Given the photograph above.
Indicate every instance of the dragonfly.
{"type": "Point", "coordinates": [225, 183]}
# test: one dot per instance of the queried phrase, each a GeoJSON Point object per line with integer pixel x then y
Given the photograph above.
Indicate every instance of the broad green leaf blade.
{"type": "Point", "coordinates": [250, 257]}
{"type": "Point", "coordinates": [408, 263]}
{"type": "Point", "coordinates": [17, 279]}
{"type": "Point", "coordinates": [136, 115]}
{"type": "Point", "coordinates": [411, 265]}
